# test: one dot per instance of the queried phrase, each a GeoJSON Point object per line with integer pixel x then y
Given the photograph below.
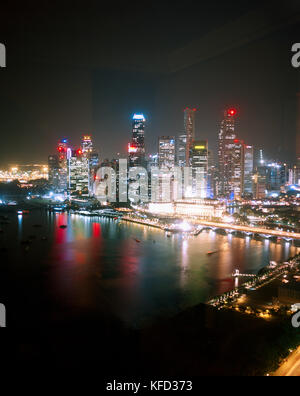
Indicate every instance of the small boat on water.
{"type": "Point", "coordinates": [137, 240]}
{"type": "Point", "coordinates": [212, 252]}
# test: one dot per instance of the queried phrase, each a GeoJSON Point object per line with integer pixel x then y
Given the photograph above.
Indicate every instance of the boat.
{"type": "Point", "coordinates": [212, 252]}
{"type": "Point", "coordinates": [137, 240]}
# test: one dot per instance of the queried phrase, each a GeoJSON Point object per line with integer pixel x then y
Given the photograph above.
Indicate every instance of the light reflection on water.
{"type": "Point", "coordinates": [137, 272]}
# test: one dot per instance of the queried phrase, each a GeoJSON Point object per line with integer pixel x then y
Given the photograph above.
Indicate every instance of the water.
{"type": "Point", "coordinates": [98, 266]}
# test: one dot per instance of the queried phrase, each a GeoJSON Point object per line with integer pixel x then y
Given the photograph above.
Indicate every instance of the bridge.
{"type": "Point", "coordinates": [237, 274]}
{"type": "Point", "coordinates": [229, 228]}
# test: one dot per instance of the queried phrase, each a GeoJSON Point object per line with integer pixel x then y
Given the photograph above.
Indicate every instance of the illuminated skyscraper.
{"type": "Point", "coordinates": [181, 150]}
{"type": "Point", "coordinates": [229, 158]}
{"type": "Point", "coordinates": [189, 128]}
{"type": "Point", "coordinates": [199, 164]}
{"type": "Point", "coordinates": [248, 170]}
{"type": "Point", "coordinates": [166, 152]}
{"type": "Point", "coordinates": [88, 152]}
{"type": "Point", "coordinates": [53, 171]}
{"type": "Point", "coordinates": [86, 144]}
{"type": "Point", "coordinates": [62, 162]}
{"type": "Point", "coordinates": [78, 173]}
{"type": "Point", "coordinates": [136, 149]}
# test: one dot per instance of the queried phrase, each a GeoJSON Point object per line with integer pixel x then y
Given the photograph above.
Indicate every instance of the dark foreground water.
{"type": "Point", "coordinates": [99, 266]}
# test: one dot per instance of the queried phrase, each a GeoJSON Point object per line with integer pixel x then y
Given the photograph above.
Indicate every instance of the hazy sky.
{"type": "Point", "coordinates": [75, 68]}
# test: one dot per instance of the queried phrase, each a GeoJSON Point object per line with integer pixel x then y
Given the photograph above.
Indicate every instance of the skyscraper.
{"type": "Point", "coordinates": [166, 152]}
{"type": "Point", "coordinates": [62, 149]}
{"type": "Point", "coordinates": [88, 151]}
{"type": "Point", "coordinates": [238, 162]}
{"type": "Point", "coordinates": [181, 150]}
{"type": "Point", "coordinates": [230, 158]}
{"type": "Point", "coordinates": [199, 163]}
{"type": "Point", "coordinates": [189, 128]}
{"type": "Point", "coordinates": [53, 171]}
{"type": "Point", "coordinates": [136, 149]}
{"type": "Point", "coordinates": [78, 173]}
{"type": "Point", "coordinates": [248, 170]}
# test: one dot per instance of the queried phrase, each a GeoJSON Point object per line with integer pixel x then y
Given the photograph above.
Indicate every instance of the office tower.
{"type": "Point", "coordinates": [88, 151]}
{"type": "Point", "coordinates": [166, 152]}
{"type": "Point", "coordinates": [78, 173]}
{"type": "Point", "coordinates": [62, 149]}
{"type": "Point", "coordinates": [86, 144]}
{"type": "Point", "coordinates": [237, 180]}
{"type": "Point", "coordinates": [260, 182]}
{"type": "Point", "coordinates": [181, 150]}
{"type": "Point", "coordinates": [212, 176]}
{"type": "Point", "coordinates": [270, 179]}
{"type": "Point", "coordinates": [189, 129]}
{"type": "Point", "coordinates": [248, 170]}
{"type": "Point", "coordinates": [277, 176]}
{"type": "Point", "coordinates": [199, 164]}
{"type": "Point", "coordinates": [230, 158]}
{"type": "Point", "coordinates": [136, 149]}
{"type": "Point", "coordinates": [53, 171]}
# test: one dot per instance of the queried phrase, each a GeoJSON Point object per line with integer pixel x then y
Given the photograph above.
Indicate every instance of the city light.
{"type": "Point", "coordinates": [138, 117]}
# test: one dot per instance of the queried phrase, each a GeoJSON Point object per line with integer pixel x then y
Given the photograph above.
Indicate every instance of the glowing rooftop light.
{"type": "Point", "coordinates": [138, 117]}
{"type": "Point", "coordinates": [231, 112]}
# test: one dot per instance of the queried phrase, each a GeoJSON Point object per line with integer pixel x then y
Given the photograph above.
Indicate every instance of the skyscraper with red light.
{"type": "Point", "coordinates": [189, 129]}
{"type": "Point", "coordinates": [62, 149]}
{"type": "Point", "coordinates": [136, 148]}
{"type": "Point", "coordinates": [78, 173]}
{"type": "Point", "coordinates": [89, 152]}
{"type": "Point", "coordinates": [230, 158]}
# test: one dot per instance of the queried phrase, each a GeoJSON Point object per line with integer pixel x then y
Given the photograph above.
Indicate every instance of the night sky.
{"type": "Point", "coordinates": [78, 67]}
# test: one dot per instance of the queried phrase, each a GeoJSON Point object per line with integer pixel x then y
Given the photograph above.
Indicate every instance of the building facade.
{"type": "Point", "coordinates": [136, 148]}
{"type": "Point", "coordinates": [166, 152]}
{"type": "Point", "coordinates": [189, 131]}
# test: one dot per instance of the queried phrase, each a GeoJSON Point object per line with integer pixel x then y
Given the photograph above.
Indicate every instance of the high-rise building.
{"type": "Point", "coordinates": [238, 158]}
{"type": "Point", "coordinates": [277, 176]}
{"type": "Point", "coordinates": [181, 150]}
{"type": "Point", "coordinates": [199, 164]}
{"type": "Point", "coordinates": [78, 173]}
{"type": "Point", "coordinates": [270, 179]}
{"type": "Point", "coordinates": [189, 129]}
{"type": "Point", "coordinates": [166, 152]}
{"type": "Point", "coordinates": [62, 149]}
{"type": "Point", "coordinates": [260, 182]}
{"type": "Point", "coordinates": [248, 170]}
{"type": "Point", "coordinates": [53, 171]}
{"type": "Point", "coordinates": [88, 151]}
{"type": "Point", "coordinates": [231, 154]}
{"type": "Point", "coordinates": [136, 149]}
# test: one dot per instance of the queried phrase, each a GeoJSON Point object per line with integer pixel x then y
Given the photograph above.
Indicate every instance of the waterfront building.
{"type": "Point", "coordinates": [202, 208]}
